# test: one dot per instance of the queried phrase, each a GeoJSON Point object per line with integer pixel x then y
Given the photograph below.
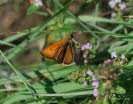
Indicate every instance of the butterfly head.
{"type": "Point", "coordinates": [71, 35]}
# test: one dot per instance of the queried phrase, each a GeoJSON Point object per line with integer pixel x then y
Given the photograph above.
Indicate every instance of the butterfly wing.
{"type": "Point", "coordinates": [68, 54]}
{"type": "Point", "coordinates": [52, 50]}
{"type": "Point", "coordinates": [60, 54]}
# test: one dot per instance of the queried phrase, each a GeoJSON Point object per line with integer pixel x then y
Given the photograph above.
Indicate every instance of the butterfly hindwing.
{"type": "Point", "coordinates": [68, 58]}
{"type": "Point", "coordinates": [60, 54]}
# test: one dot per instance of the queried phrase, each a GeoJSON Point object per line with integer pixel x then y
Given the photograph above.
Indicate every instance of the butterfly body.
{"type": "Point", "coordinates": [60, 51]}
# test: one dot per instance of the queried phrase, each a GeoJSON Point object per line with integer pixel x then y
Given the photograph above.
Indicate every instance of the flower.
{"type": "Point", "coordinates": [122, 57]}
{"type": "Point", "coordinates": [89, 73]}
{"type": "Point", "coordinates": [6, 73]}
{"type": "Point", "coordinates": [85, 83]}
{"type": "Point", "coordinates": [95, 92]}
{"type": "Point", "coordinates": [83, 48]}
{"type": "Point", "coordinates": [84, 55]}
{"type": "Point", "coordinates": [85, 61]}
{"type": "Point", "coordinates": [94, 79]}
{"type": "Point", "coordinates": [113, 55]}
{"type": "Point", "coordinates": [122, 6]}
{"type": "Point", "coordinates": [8, 86]}
{"type": "Point", "coordinates": [109, 60]}
{"type": "Point", "coordinates": [38, 3]}
{"type": "Point", "coordinates": [117, 1]}
{"type": "Point", "coordinates": [113, 15]}
{"type": "Point", "coordinates": [112, 4]}
{"type": "Point", "coordinates": [86, 47]}
{"type": "Point", "coordinates": [95, 84]}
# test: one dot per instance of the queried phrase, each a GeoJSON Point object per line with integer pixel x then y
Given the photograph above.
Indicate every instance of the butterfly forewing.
{"type": "Point", "coordinates": [55, 50]}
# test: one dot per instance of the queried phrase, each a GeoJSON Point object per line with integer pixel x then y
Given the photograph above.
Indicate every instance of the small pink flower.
{"type": "Point", "coordinates": [83, 47]}
{"type": "Point", "coordinates": [122, 6]}
{"type": "Point", "coordinates": [95, 92]}
{"type": "Point", "coordinates": [95, 84]}
{"type": "Point", "coordinates": [113, 15]}
{"type": "Point", "coordinates": [113, 55]}
{"type": "Point", "coordinates": [84, 55]}
{"type": "Point", "coordinates": [89, 73]}
{"type": "Point", "coordinates": [38, 3]}
{"type": "Point", "coordinates": [94, 79]}
{"type": "Point", "coordinates": [85, 83]}
{"type": "Point", "coordinates": [112, 4]}
{"type": "Point", "coordinates": [117, 1]}
{"type": "Point", "coordinates": [8, 86]}
{"type": "Point", "coordinates": [122, 57]}
{"type": "Point", "coordinates": [109, 60]}
{"type": "Point", "coordinates": [88, 46]}
{"type": "Point", "coordinates": [85, 61]}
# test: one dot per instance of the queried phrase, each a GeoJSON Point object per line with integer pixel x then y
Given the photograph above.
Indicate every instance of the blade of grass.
{"type": "Point", "coordinates": [6, 43]}
{"type": "Point", "coordinates": [65, 94]}
{"type": "Point", "coordinates": [25, 82]}
{"type": "Point", "coordinates": [15, 37]}
{"type": "Point", "coordinates": [78, 20]}
{"type": "Point", "coordinates": [2, 76]}
{"type": "Point", "coordinates": [129, 48]}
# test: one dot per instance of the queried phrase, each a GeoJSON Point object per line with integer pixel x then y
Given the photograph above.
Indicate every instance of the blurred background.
{"type": "Point", "coordinates": [28, 26]}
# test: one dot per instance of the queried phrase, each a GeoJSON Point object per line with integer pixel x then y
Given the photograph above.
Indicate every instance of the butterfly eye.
{"type": "Point", "coordinates": [71, 36]}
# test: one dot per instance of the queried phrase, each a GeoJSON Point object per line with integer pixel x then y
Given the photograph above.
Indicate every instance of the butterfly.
{"type": "Point", "coordinates": [60, 51]}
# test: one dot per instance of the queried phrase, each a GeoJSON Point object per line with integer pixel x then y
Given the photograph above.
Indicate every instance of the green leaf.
{"type": "Point", "coordinates": [120, 49]}
{"type": "Point", "coordinates": [103, 88]}
{"type": "Point", "coordinates": [32, 9]}
{"type": "Point", "coordinates": [130, 63]}
{"type": "Point", "coordinates": [120, 90]}
{"type": "Point", "coordinates": [105, 101]}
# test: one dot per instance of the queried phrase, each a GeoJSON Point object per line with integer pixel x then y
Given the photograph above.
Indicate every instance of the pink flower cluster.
{"type": "Point", "coordinates": [114, 55]}
{"type": "Point", "coordinates": [95, 83]}
{"type": "Point", "coordinates": [116, 3]}
{"type": "Point", "coordinates": [85, 48]}
{"type": "Point", "coordinates": [115, 59]}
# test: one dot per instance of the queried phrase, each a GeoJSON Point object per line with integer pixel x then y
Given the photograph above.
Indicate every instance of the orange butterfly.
{"type": "Point", "coordinates": [60, 51]}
